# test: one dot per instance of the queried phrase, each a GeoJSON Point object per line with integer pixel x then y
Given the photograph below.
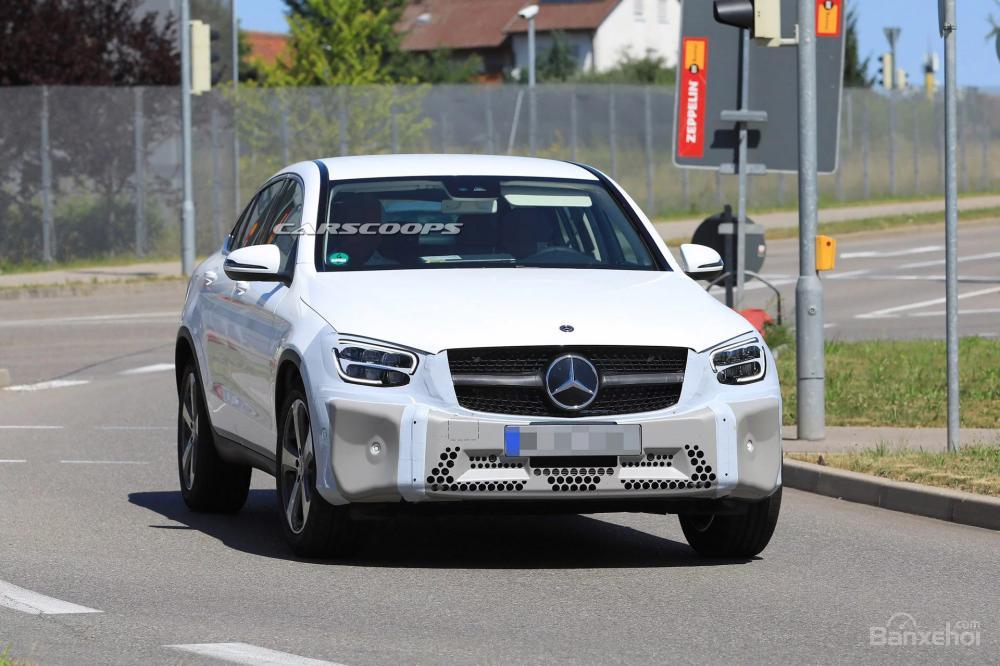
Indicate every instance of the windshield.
{"type": "Point", "coordinates": [476, 222]}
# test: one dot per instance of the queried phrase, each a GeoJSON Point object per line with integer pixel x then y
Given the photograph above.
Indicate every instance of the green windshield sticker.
{"type": "Point", "coordinates": [338, 258]}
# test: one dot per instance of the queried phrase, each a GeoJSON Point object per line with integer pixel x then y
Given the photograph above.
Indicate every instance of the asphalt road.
{"type": "Point", "coordinates": [91, 515]}
{"type": "Point", "coordinates": [890, 284]}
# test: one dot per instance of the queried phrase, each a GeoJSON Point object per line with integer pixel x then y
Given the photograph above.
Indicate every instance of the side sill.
{"type": "Point", "coordinates": [233, 449]}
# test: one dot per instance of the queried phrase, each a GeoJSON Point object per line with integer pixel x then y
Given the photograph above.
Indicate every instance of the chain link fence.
{"type": "Point", "coordinates": [96, 172]}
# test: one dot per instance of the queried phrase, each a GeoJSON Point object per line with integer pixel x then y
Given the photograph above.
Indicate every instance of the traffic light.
{"type": "Point", "coordinates": [885, 71]}
{"type": "Point", "coordinates": [761, 17]}
{"type": "Point", "coordinates": [901, 79]}
{"type": "Point", "coordinates": [201, 57]}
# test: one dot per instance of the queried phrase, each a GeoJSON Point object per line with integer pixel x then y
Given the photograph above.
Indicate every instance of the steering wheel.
{"type": "Point", "coordinates": [560, 255]}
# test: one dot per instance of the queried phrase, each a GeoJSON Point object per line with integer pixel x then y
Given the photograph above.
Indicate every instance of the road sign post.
{"type": "Point", "coordinates": [810, 360]}
{"type": "Point", "coordinates": [947, 20]}
{"type": "Point", "coordinates": [187, 207]}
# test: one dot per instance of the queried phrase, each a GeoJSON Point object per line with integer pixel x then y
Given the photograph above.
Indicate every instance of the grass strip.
{"type": "Point", "coordinates": [974, 469]}
{"type": "Point", "coordinates": [900, 383]}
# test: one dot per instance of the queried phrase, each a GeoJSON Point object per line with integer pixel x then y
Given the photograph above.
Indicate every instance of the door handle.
{"type": "Point", "coordinates": [208, 278]}
{"type": "Point", "coordinates": [241, 288]}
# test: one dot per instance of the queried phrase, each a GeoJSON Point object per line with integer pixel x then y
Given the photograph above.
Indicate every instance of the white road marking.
{"type": "Point", "coordinates": [104, 462]}
{"type": "Point", "coordinates": [30, 427]}
{"type": "Point", "coordinates": [156, 367]}
{"type": "Point", "coordinates": [869, 254]}
{"type": "Point", "coordinates": [4, 462]}
{"type": "Point", "coordinates": [941, 262]}
{"type": "Point", "coordinates": [26, 601]}
{"type": "Point", "coordinates": [848, 274]}
{"type": "Point", "coordinates": [92, 319]}
{"type": "Point", "coordinates": [961, 313]}
{"type": "Point", "coordinates": [42, 386]}
{"type": "Point", "coordinates": [244, 653]}
{"type": "Point", "coordinates": [134, 427]}
{"type": "Point", "coordinates": [888, 313]}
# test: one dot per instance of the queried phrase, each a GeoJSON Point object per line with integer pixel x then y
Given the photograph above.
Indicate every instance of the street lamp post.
{"type": "Point", "coordinates": [892, 35]}
{"type": "Point", "coordinates": [529, 13]}
{"type": "Point", "coordinates": [187, 208]}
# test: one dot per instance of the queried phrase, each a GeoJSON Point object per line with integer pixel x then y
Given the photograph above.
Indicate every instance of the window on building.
{"type": "Point", "coordinates": [663, 11]}
{"type": "Point", "coordinates": [639, 9]}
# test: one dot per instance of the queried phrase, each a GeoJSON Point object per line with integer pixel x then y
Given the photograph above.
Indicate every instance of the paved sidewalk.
{"type": "Point", "coordinates": [163, 269]}
{"type": "Point", "coordinates": [841, 439]}
{"type": "Point", "coordinates": [784, 219]}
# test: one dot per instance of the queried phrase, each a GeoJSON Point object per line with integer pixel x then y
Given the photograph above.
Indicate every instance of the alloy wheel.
{"type": "Point", "coordinates": [189, 430]}
{"type": "Point", "coordinates": [298, 467]}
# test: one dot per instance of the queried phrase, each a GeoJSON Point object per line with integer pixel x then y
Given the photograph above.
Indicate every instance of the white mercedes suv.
{"type": "Point", "coordinates": [417, 333]}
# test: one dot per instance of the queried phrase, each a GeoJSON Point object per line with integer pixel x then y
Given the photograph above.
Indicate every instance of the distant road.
{"type": "Point", "coordinates": [790, 218]}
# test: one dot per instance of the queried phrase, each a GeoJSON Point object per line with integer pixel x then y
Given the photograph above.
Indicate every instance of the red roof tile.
{"type": "Point", "coordinates": [266, 46]}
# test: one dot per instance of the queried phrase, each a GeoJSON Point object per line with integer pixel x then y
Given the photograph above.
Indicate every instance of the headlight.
{"type": "Point", "coordinates": [374, 365]}
{"type": "Point", "coordinates": [742, 363]}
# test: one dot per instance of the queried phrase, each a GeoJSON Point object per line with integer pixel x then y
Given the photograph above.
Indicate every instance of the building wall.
{"type": "Point", "coordinates": [580, 43]}
{"type": "Point", "coordinates": [656, 29]}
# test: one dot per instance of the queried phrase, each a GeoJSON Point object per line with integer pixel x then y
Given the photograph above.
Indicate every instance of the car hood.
{"type": "Point", "coordinates": [438, 309]}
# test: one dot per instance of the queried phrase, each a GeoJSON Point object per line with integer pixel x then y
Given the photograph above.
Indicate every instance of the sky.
{"type": "Point", "coordinates": [978, 62]}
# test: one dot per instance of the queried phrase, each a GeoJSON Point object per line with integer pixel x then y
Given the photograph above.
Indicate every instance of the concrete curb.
{"type": "Point", "coordinates": [940, 503]}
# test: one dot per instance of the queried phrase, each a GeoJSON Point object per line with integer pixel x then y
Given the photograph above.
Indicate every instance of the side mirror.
{"type": "Point", "coordinates": [700, 261]}
{"type": "Point", "coordinates": [260, 263]}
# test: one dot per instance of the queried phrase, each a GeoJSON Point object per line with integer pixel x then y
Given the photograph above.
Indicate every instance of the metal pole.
{"type": "Point", "coordinates": [140, 174]}
{"type": "Point", "coordinates": [866, 138]}
{"type": "Point", "coordinates": [532, 105]}
{"type": "Point", "coordinates": [393, 125]}
{"type": "Point", "coordinates": [187, 208]}
{"type": "Point", "coordinates": [648, 108]}
{"type": "Point", "coordinates": [216, 176]}
{"type": "Point", "coordinates": [741, 167]}
{"type": "Point", "coordinates": [47, 226]}
{"type": "Point", "coordinates": [951, 220]}
{"type": "Point", "coordinates": [612, 136]}
{"type": "Point", "coordinates": [574, 124]}
{"type": "Point", "coordinates": [343, 120]}
{"type": "Point", "coordinates": [810, 361]}
{"type": "Point", "coordinates": [490, 129]}
{"type": "Point", "coordinates": [916, 148]}
{"type": "Point", "coordinates": [236, 88]}
{"type": "Point", "coordinates": [892, 142]}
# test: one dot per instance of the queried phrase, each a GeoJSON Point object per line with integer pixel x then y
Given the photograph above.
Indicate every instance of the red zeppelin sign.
{"type": "Point", "coordinates": [693, 90]}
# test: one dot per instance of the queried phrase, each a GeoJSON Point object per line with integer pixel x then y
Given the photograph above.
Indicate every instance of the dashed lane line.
{"type": "Point", "coordinates": [251, 655]}
{"type": "Point", "coordinates": [871, 254]}
{"type": "Point", "coordinates": [6, 462]}
{"type": "Point", "coordinates": [31, 427]}
{"type": "Point", "coordinates": [104, 462]}
{"type": "Point", "coordinates": [91, 319]}
{"type": "Point", "coordinates": [44, 386]}
{"type": "Point", "coordinates": [26, 601]}
{"type": "Point", "coordinates": [146, 369]}
{"type": "Point", "coordinates": [888, 313]}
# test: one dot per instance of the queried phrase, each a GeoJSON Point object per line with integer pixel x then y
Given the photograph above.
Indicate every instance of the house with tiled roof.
{"type": "Point", "coordinates": [599, 32]}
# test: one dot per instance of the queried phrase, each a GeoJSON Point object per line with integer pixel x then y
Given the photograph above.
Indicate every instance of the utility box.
{"type": "Point", "coordinates": [826, 253]}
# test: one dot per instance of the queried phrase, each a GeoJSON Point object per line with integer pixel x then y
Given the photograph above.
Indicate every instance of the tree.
{"type": "Point", "coordinates": [86, 42]}
{"type": "Point", "coordinates": [558, 63]}
{"type": "Point", "coordinates": [651, 69]}
{"type": "Point", "coordinates": [336, 42]}
{"type": "Point", "coordinates": [994, 33]}
{"type": "Point", "coordinates": [855, 69]}
{"type": "Point", "coordinates": [438, 66]}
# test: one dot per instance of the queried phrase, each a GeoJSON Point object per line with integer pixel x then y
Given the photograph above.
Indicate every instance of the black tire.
{"type": "Point", "coordinates": [208, 483]}
{"type": "Point", "coordinates": [312, 527]}
{"type": "Point", "coordinates": [733, 536]}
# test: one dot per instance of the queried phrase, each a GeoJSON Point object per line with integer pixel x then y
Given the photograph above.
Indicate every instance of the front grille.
{"type": "Point", "coordinates": [533, 361]}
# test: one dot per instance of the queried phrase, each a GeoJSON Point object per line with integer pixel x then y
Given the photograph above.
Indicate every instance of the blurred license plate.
{"type": "Point", "coordinates": [572, 440]}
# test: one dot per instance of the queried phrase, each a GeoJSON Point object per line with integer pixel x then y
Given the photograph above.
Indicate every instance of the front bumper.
{"type": "Point", "coordinates": [387, 452]}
